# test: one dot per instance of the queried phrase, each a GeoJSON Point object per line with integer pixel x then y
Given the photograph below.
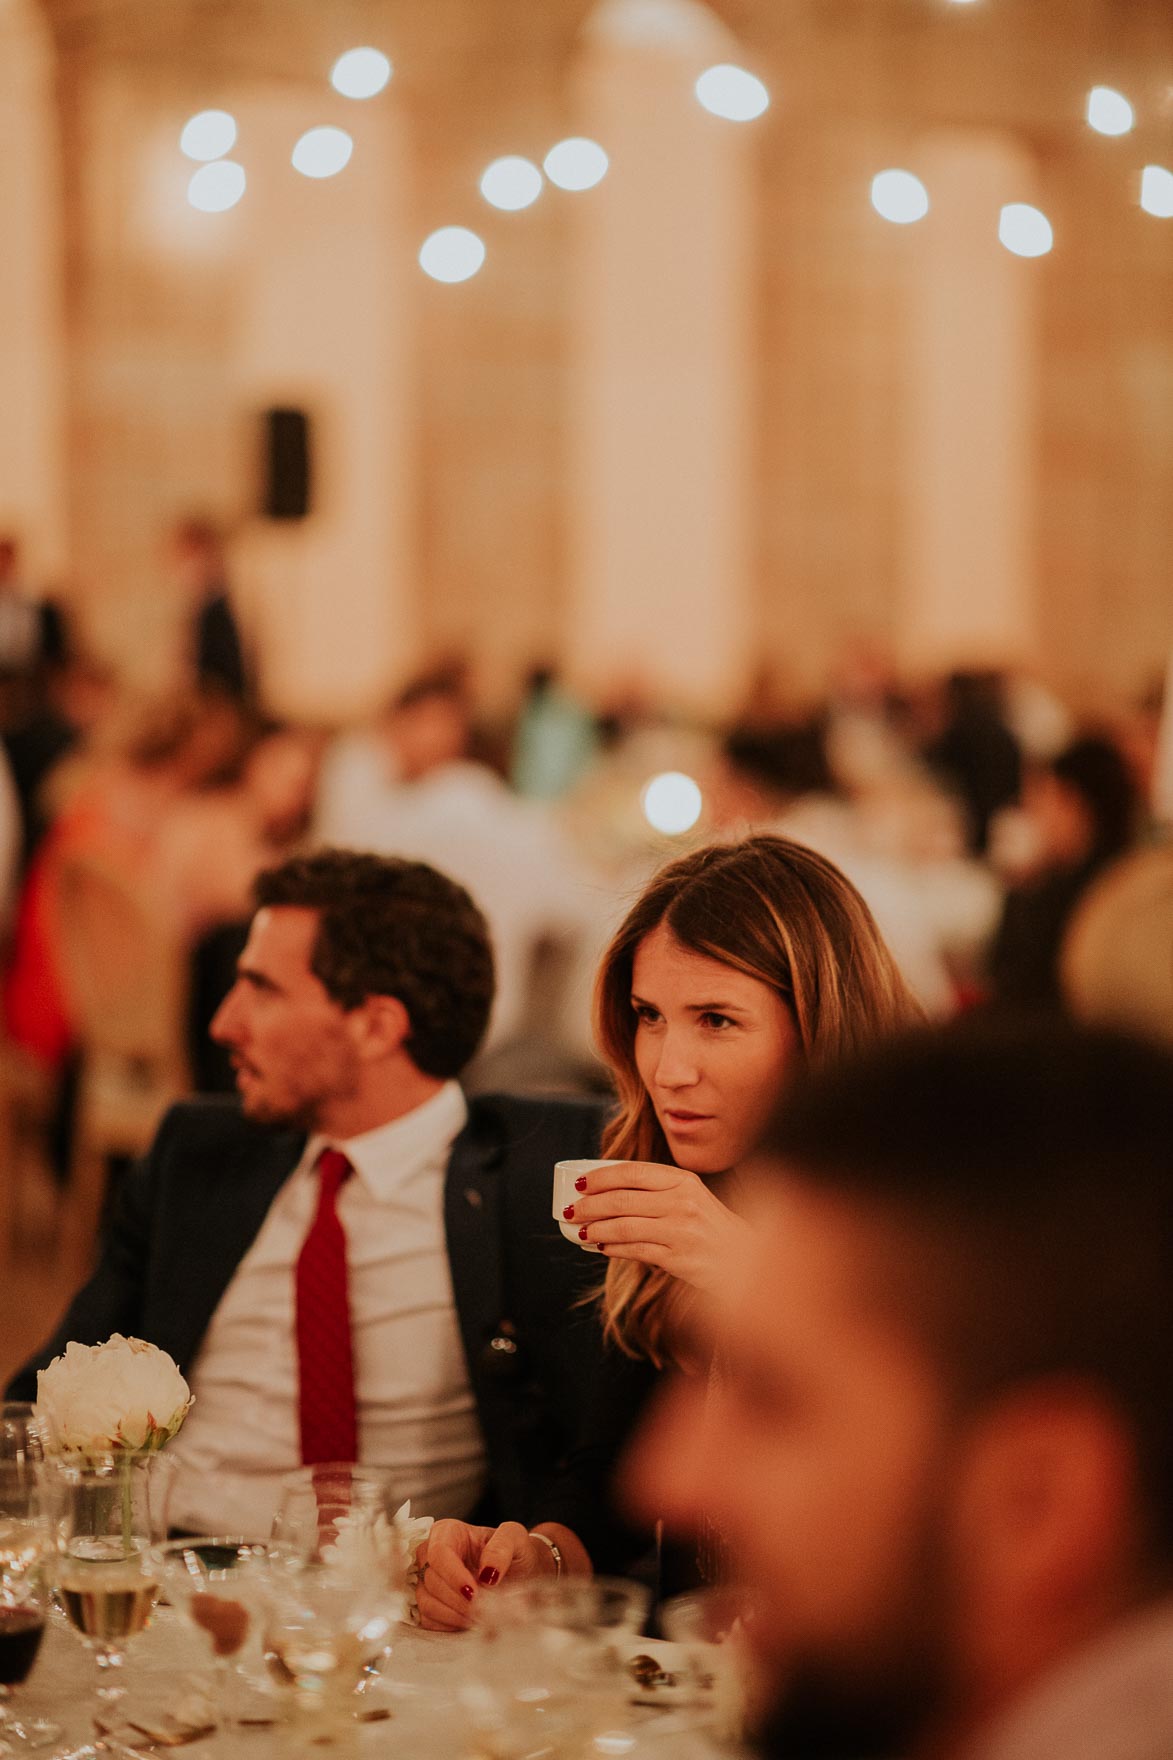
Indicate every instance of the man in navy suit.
{"type": "Point", "coordinates": [355, 1262]}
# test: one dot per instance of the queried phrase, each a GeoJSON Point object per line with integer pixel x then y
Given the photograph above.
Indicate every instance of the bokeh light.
{"type": "Point", "coordinates": [215, 188]}
{"type": "Point", "coordinates": [322, 152]}
{"type": "Point", "coordinates": [1109, 112]}
{"type": "Point", "coordinates": [900, 197]}
{"type": "Point", "coordinates": [733, 93]}
{"type": "Point", "coordinates": [511, 183]}
{"type": "Point", "coordinates": [360, 73]}
{"type": "Point", "coordinates": [452, 254]}
{"type": "Point", "coordinates": [672, 803]}
{"type": "Point", "coordinates": [210, 135]}
{"type": "Point", "coordinates": [1025, 230]}
{"type": "Point", "coordinates": [576, 164]}
{"type": "Point", "coordinates": [1156, 191]}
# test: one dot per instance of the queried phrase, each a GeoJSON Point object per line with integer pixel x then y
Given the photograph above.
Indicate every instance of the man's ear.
{"type": "Point", "coordinates": [380, 1027]}
{"type": "Point", "coordinates": [1048, 1511]}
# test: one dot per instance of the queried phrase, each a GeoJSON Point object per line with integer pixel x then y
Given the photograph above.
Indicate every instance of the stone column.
{"type": "Point", "coordinates": [660, 459]}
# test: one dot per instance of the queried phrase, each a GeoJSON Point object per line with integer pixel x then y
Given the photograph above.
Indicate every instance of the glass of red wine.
{"type": "Point", "coordinates": [25, 1540]}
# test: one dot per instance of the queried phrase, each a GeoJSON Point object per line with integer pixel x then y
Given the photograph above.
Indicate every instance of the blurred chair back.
{"type": "Point", "coordinates": [1117, 963]}
{"type": "Point", "coordinates": [124, 972]}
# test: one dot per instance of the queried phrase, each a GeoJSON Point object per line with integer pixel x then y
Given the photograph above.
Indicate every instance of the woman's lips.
{"type": "Point", "coordinates": [682, 1121]}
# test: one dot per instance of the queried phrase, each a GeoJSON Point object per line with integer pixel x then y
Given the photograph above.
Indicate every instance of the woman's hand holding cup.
{"type": "Point", "coordinates": [659, 1215]}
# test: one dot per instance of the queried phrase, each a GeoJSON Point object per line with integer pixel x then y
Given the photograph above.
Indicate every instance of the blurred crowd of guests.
{"type": "Point", "coordinates": [1011, 855]}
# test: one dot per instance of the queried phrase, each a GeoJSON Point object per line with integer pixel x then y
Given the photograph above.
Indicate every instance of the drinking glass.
{"type": "Point", "coordinates": [336, 1513]}
{"type": "Point", "coordinates": [326, 1632]}
{"type": "Point", "coordinates": [714, 1628]}
{"type": "Point", "coordinates": [219, 1583]}
{"type": "Point", "coordinates": [21, 1433]}
{"type": "Point", "coordinates": [548, 1667]}
{"type": "Point", "coordinates": [104, 1567]}
{"type": "Point", "coordinates": [24, 1543]}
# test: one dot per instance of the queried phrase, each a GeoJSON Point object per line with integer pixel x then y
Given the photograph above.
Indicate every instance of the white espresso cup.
{"type": "Point", "coordinates": [565, 1174]}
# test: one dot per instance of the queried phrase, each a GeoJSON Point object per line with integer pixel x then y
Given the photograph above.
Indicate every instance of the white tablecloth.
{"type": "Point", "coordinates": [419, 1687]}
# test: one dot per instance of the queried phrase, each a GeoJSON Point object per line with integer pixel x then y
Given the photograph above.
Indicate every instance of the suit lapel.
{"type": "Point", "coordinates": [472, 1218]}
{"type": "Point", "coordinates": [232, 1206]}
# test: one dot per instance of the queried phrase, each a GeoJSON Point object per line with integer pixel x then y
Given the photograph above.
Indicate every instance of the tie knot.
{"type": "Point", "coordinates": [333, 1170]}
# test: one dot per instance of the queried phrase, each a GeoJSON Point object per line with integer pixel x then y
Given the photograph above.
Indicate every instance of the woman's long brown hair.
{"type": "Point", "coordinates": [786, 916]}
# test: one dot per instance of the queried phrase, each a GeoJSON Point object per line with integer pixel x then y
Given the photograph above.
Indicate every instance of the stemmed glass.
{"type": "Point", "coordinates": [219, 1582]}
{"type": "Point", "coordinates": [547, 1671]}
{"type": "Point", "coordinates": [24, 1542]}
{"type": "Point", "coordinates": [21, 1433]}
{"type": "Point", "coordinates": [105, 1570]}
{"type": "Point", "coordinates": [334, 1512]}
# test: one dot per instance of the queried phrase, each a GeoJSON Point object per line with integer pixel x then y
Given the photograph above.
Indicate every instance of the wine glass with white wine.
{"type": "Point", "coordinates": [104, 1567]}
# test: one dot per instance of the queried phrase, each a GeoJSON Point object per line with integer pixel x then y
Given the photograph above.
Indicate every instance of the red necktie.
{"type": "Point", "coordinates": [325, 1362]}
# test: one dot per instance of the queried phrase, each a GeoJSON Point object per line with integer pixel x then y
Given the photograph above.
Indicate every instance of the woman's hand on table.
{"type": "Point", "coordinates": [458, 1562]}
{"type": "Point", "coordinates": [663, 1216]}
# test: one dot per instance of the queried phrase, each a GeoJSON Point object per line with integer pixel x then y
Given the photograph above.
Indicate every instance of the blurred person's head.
{"type": "Point", "coordinates": [280, 774]}
{"type": "Point", "coordinates": [1084, 803]}
{"type": "Point", "coordinates": [739, 964]}
{"type": "Point", "coordinates": [938, 1441]}
{"type": "Point", "coordinates": [197, 550]}
{"type": "Point", "coordinates": [1116, 965]}
{"type": "Point", "coordinates": [760, 772]}
{"type": "Point", "coordinates": [428, 724]}
{"type": "Point", "coordinates": [365, 984]}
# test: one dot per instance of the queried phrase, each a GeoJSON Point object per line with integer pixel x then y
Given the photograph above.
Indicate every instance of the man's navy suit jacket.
{"type": "Point", "coordinates": [554, 1405]}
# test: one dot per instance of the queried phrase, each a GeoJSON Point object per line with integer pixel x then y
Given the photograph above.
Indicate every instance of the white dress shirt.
{"type": "Point", "coordinates": [416, 1412]}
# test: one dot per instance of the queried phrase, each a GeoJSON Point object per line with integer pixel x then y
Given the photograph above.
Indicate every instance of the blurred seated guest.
{"type": "Point", "coordinates": [216, 658]}
{"type": "Point", "coordinates": [780, 781]}
{"type": "Point", "coordinates": [213, 842]}
{"type": "Point", "coordinates": [10, 843]}
{"type": "Point", "coordinates": [556, 741]}
{"type": "Point", "coordinates": [1084, 808]}
{"type": "Point", "coordinates": [355, 1263]}
{"type": "Point", "coordinates": [1117, 960]}
{"type": "Point", "coordinates": [32, 629]}
{"type": "Point", "coordinates": [938, 1445]}
{"type": "Point", "coordinates": [740, 965]}
{"type": "Point", "coordinates": [111, 804]}
{"type": "Point", "coordinates": [976, 752]}
{"type": "Point", "coordinates": [409, 788]}
{"type": "Point", "coordinates": [80, 695]}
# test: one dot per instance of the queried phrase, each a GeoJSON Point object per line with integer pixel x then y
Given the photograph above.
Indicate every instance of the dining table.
{"type": "Point", "coordinates": [411, 1709]}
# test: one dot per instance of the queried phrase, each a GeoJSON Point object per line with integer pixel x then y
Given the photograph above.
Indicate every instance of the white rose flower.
{"type": "Point", "coordinates": [109, 1398]}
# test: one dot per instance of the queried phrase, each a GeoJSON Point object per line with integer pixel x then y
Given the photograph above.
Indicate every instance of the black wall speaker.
{"type": "Point", "coordinates": [288, 462]}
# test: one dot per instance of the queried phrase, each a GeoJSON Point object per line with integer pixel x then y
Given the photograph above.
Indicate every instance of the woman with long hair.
{"type": "Point", "coordinates": [740, 964]}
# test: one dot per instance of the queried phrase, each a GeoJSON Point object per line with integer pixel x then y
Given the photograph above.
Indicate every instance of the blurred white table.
{"type": "Point", "coordinates": [419, 1688]}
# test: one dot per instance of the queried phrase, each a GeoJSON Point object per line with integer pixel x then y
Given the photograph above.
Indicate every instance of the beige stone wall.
{"type": "Point", "coordinates": [477, 457]}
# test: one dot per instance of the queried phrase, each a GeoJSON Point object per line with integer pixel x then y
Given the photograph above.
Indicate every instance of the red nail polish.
{"type": "Point", "coordinates": [467, 1590]}
{"type": "Point", "coordinates": [582, 1234]}
{"type": "Point", "coordinates": [568, 1213]}
{"type": "Point", "coordinates": [580, 1184]}
{"type": "Point", "coordinates": [489, 1576]}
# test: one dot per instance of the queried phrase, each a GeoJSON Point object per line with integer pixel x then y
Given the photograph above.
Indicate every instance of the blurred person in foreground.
{"type": "Point", "coordinates": [356, 1263]}
{"type": "Point", "coordinates": [739, 965]}
{"type": "Point", "coordinates": [939, 1445]}
{"type": "Point", "coordinates": [1084, 808]}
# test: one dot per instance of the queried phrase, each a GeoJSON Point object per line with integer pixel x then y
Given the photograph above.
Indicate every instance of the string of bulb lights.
{"type": "Point", "coordinates": [456, 253]}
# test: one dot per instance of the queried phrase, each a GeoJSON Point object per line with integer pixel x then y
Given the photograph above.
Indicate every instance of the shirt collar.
{"type": "Point", "coordinates": [390, 1154]}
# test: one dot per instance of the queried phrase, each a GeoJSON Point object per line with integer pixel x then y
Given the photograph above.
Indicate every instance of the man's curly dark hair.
{"type": "Point", "coordinates": [388, 927]}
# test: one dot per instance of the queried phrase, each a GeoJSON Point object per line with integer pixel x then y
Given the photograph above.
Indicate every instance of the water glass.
{"type": "Point", "coordinates": [548, 1667]}
{"type": "Point", "coordinates": [715, 1630]}
{"type": "Point", "coordinates": [338, 1514]}
{"type": "Point", "coordinates": [326, 1632]}
{"type": "Point", "coordinates": [21, 1433]}
{"type": "Point", "coordinates": [219, 1582]}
